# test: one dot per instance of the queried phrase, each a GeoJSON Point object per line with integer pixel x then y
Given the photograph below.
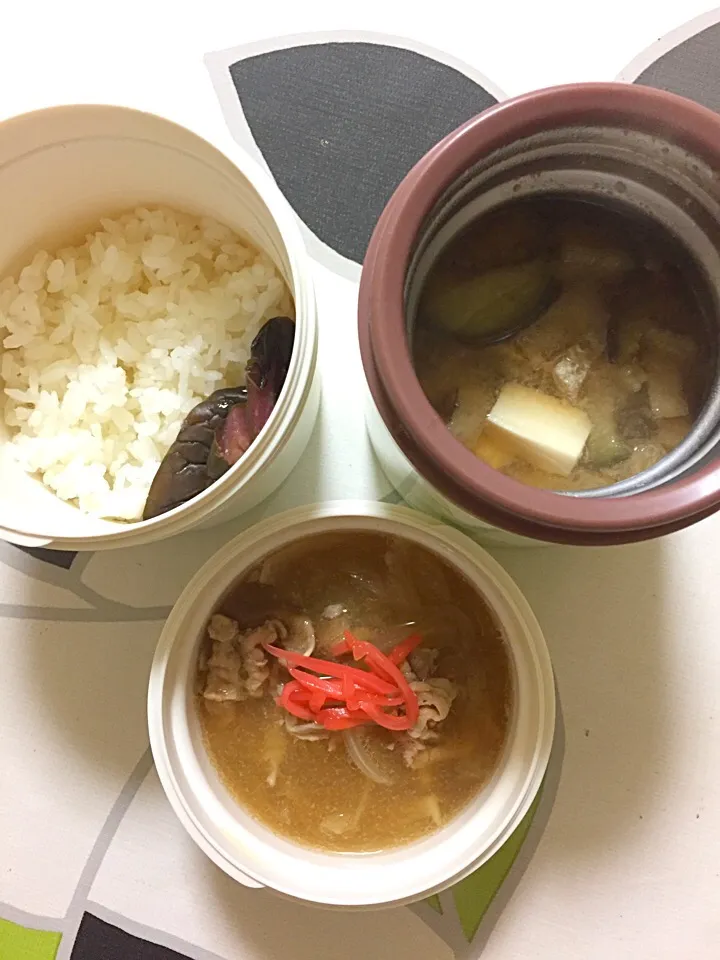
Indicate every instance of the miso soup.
{"type": "Point", "coordinates": [354, 692]}
{"type": "Point", "coordinates": [564, 343]}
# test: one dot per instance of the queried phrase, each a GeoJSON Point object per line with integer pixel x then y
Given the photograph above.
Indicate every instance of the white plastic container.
{"type": "Point", "coordinates": [60, 171]}
{"type": "Point", "coordinates": [249, 851]}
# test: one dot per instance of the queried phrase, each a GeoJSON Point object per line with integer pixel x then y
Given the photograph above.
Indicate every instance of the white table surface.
{"type": "Point", "coordinates": [628, 865]}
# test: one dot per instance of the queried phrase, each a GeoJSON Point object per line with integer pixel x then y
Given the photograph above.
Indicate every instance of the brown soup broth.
{"type": "Point", "coordinates": [310, 791]}
{"type": "Point", "coordinates": [618, 331]}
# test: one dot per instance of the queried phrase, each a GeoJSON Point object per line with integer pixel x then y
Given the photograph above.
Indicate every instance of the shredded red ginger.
{"type": "Point", "coordinates": [339, 696]}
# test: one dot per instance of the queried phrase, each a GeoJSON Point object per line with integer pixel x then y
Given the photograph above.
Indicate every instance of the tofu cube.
{"type": "Point", "coordinates": [494, 447]}
{"type": "Point", "coordinates": [546, 432]}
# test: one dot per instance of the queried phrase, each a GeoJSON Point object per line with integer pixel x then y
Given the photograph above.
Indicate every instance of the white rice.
{"type": "Point", "coordinates": [109, 344]}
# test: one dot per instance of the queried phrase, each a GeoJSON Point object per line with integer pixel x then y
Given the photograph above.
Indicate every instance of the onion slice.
{"type": "Point", "coordinates": [359, 755]}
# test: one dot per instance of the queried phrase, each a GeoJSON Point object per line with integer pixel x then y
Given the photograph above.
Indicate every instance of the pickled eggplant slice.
{"type": "Point", "coordinates": [493, 305]}
{"type": "Point", "coordinates": [232, 439]}
{"type": "Point", "coordinates": [265, 374]}
{"type": "Point", "coordinates": [219, 430]}
{"type": "Point", "coordinates": [267, 369]}
{"type": "Point", "coordinates": [183, 472]}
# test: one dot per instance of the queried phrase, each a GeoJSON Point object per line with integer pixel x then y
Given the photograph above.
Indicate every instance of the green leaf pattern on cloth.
{"type": "Point", "coordinates": [434, 902]}
{"type": "Point", "coordinates": [21, 943]}
{"type": "Point", "coordinates": [475, 893]}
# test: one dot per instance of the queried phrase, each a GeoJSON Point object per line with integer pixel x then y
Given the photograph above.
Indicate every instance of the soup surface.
{"type": "Point", "coordinates": [604, 364]}
{"type": "Point", "coordinates": [366, 787]}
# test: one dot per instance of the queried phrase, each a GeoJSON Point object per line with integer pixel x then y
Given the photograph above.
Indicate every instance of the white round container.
{"type": "Point", "coordinates": [60, 171]}
{"type": "Point", "coordinates": [250, 852]}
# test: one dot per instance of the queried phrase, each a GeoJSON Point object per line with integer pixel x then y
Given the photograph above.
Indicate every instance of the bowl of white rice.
{"type": "Point", "coordinates": [137, 265]}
